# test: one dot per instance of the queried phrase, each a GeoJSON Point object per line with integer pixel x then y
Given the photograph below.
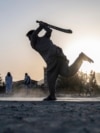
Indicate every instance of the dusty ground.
{"type": "Point", "coordinates": [49, 117]}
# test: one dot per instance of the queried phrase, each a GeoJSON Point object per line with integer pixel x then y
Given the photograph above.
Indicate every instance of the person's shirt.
{"type": "Point", "coordinates": [27, 79]}
{"type": "Point", "coordinates": [8, 79]}
{"type": "Point", "coordinates": [46, 48]}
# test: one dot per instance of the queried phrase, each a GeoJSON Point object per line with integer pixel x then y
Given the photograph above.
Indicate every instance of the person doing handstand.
{"type": "Point", "coordinates": [57, 62]}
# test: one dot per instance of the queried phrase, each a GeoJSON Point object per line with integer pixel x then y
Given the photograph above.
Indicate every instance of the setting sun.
{"type": "Point", "coordinates": [86, 67]}
{"type": "Point", "coordinates": [90, 46]}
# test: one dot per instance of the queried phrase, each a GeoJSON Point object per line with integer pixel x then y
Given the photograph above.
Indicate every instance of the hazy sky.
{"type": "Point", "coordinates": [17, 17]}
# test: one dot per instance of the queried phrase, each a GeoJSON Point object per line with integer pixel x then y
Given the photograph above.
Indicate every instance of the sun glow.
{"type": "Point", "coordinates": [90, 47]}
{"type": "Point", "coordinates": [86, 67]}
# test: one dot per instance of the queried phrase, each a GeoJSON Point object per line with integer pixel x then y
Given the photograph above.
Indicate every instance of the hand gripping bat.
{"type": "Point", "coordinates": [56, 28]}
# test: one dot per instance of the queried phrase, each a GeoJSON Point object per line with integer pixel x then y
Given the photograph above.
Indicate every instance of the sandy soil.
{"type": "Point", "coordinates": [49, 117]}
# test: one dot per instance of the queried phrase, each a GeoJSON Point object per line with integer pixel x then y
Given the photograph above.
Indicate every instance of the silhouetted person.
{"type": "Point", "coordinates": [27, 80]}
{"type": "Point", "coordinates": [8, 82]}
{"type": "Point", "coordinates": [57, 62]}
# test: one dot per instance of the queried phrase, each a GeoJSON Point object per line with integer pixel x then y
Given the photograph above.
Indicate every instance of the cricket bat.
{"type": "Point", "coordinates": [56, 28]}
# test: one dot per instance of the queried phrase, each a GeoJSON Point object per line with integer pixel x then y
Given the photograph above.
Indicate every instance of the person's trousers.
{"type": "Point", "coordinates": [60, 67]}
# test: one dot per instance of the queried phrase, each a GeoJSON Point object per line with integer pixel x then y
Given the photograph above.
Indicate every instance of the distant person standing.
{"type": "Point", "coordinates": [8, 82]}
{"type": "Point", "coordinates": [27, 80]}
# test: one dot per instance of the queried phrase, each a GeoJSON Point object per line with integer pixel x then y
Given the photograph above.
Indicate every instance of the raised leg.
{"type": "Point", "coordinates": [73, 69]}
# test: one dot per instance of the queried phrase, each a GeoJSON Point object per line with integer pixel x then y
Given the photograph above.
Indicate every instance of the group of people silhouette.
{"type": "Point", "coordinates": [9, 82]}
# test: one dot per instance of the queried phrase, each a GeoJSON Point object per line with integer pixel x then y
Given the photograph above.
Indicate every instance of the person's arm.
{"type": "Point", "coordinates": [48, 32]}
{"type": "Point", "coordinates": [25, 80]}
{"type": "Point", "coordinates": [46, 28]}
{"type": "Point", "coordinates": [35, 35]}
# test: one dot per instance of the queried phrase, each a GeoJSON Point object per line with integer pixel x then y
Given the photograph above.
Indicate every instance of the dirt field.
{"type": "Point", "coordinates": [49, 116]}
